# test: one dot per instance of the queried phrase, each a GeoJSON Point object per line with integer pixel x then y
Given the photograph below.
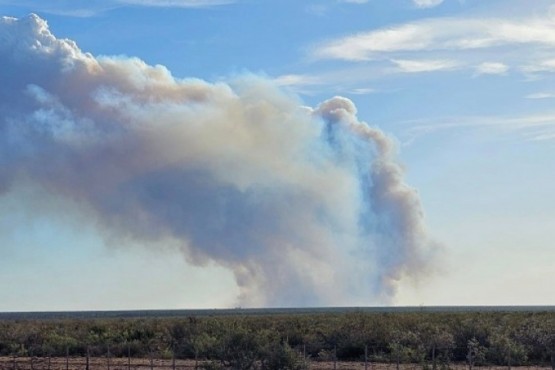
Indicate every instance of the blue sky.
{"type": "Point", "coordinates": [464, 87]}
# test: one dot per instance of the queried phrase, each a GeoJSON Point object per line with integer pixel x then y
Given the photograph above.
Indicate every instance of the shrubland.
{"type": "Point", "coordinates": [287, 341]}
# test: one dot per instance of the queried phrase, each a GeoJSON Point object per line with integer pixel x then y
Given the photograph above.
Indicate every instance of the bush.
{"type": "Point", "coordinates": [285, 358]}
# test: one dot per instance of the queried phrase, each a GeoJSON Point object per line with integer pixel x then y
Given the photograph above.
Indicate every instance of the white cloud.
{"type": "Point", "coordinates": [442, 34]}
{"type": "Point", "coordinates": [532, 127]}
{"type": "Point", "coordinates": [365, 46]}
{"type": "Point", "coordinates": [356, 79]}
{"type": "Point", "coordinates": [75, 8]}
{"type": "Point", "coordinates": [318, 10]}
{"type": "Point", "coordinates": [309, 84]}
{"type": "Point", "coordinates": [543, 137]}
{"type": "Point", "coordinates": [551, 12]}
{"type": "Point", "coordinates": [543, 66]}
{"type": "Point", "coordinates": [354, 1]}
{"type": "Point", "coordinates": [362, 91]}
{"type": "Point", "coordinates": [177, 3]}
{"type": "Point", "coordinates": [427, 3]}
{"type": "Point", "coordinates": [416, 66]}
{"type": "Point", "coordinates": [541, 95]}
{"type": "Point", "coordinates": [297, 80]}
{"type": "Point", "coordinates": [492, 68]}
{"type": "Point", "coordinates": [88, 8]}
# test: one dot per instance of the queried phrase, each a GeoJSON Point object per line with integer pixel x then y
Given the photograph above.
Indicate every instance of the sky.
{"type": "Point", "coordinates": [213, 154]}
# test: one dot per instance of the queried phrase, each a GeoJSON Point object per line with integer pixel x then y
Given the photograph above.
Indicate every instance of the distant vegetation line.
{"type": "Point", "coordinates": [246, 339]}
{"type": "Point", "coordinates": [42, 315]}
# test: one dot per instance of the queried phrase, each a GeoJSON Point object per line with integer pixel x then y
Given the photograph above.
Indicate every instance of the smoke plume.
{"type": "Point", "coordinates": [307, 206]}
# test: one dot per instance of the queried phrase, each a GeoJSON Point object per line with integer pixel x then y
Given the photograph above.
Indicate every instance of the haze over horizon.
{"type": "Point", "coordinates": [190, 154]}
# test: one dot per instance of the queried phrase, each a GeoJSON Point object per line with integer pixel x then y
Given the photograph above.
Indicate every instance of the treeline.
{"type": "Point", "coordinates": [271, 341]}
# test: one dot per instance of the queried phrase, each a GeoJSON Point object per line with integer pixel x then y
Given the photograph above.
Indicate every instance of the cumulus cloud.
{"type": "Point", "coordinates": [307, 206]}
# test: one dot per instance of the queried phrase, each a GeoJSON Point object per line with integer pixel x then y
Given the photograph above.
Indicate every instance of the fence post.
{"type": "Point", "coordinates": [67, 358]}
{"type": "Point", "coordinates": [434, 366]}
{"type": "Point", "coordinates": [128, 357]}
{"type": "Point", "coordinates": [173, 357]}
{"type": "Point", "coordinates": [366, 357]}
{"type": "Point", "coordinates": [335, 357]}
{"type": "Point", "coordinates": [31, 360]}
{"type": "Point", "coordinates": [48, 361]}
{"type": "Point", "coordinates": [88, 358]}
{"type": "Point", "coordinates": [14, 362]}
{"type": "Point", "coordinates": [108, 357]}
{"type": "Point", "coordinates": [151, 361]}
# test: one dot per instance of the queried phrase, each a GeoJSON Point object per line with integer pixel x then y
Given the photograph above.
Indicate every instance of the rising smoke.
{"type": "Point", "coordinates": [305, 206]}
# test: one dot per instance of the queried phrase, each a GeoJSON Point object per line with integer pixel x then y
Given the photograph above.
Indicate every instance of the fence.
{"type": "Point", "coordinates": [94, 363]}
{"type": "Point", "coordinates": [327, 362]}
{"type": "Point", "coordinates": [99, 363]}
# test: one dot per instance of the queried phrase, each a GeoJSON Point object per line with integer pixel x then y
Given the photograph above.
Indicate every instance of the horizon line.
{"type": "Point", "coordinates": [137, 313]}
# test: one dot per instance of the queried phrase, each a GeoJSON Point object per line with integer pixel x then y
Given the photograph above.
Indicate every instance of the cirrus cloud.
{"type": "Point", "coordinates": [177, 3]}
{"type": "Point", "coordinates": [427, 3]}
{"type": "Point", "coordinates": [91, 8]}
{"type": "Point", "coordinates": [540, 95]}
{"type": "Point", "coordinates": [416, 66]}
{"type": "Point", "coordinates": [492, 68]}
{"type": "Point", "coordinates": [441, 34]}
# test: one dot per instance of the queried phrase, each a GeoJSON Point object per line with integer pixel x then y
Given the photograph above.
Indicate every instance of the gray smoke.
{"type": "Point", "coordinates": [305, 206]}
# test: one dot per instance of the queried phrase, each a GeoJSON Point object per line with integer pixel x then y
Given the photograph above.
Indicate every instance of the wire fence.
{"type": "Point", "coordinates": [94, 363]}
{"type": "Point", "coordinates": [99, 363]}
{"type": "Point", "coordinates": [327, 362]}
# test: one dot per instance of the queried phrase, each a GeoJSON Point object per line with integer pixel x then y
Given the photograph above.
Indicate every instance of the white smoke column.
{"type": "Point", "coordinates": [306, 207]}
{"type": "Point", "coordinates": [405, 246]}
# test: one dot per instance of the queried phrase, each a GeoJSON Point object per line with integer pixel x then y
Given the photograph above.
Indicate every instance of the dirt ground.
{"type": "Point", "coordinates": [101, 363]}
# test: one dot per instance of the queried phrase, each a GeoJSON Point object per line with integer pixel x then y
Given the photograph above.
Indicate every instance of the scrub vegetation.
{"type": "Point", "coordinates": [434, 340]}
